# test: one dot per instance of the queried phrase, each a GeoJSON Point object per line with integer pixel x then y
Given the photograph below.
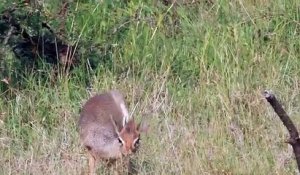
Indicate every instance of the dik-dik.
{"type": "Point", "coordinates": [106, 129]}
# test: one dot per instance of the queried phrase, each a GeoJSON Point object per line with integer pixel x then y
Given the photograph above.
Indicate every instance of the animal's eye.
{"type": "Point", "coordinates": [137, 142]}
{"type": "Point", "coordinates": [120, 140]}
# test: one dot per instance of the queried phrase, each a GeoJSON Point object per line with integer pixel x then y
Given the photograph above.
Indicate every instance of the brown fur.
{"type": "Point", "coordinates": [101, 125]}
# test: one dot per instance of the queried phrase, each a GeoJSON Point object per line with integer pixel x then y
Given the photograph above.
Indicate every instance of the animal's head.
{"type": "Point", "coordinates": [129, 136]}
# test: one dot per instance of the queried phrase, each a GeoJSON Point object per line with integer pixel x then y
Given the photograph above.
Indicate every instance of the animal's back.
{"type": "Point", "coordinates": [96, 126]}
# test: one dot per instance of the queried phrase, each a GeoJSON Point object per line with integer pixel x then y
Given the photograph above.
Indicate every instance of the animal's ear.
{"type": "Point", "coordinates": [143, 126]}
{"type": "Point", "coordinates": [115, 125]}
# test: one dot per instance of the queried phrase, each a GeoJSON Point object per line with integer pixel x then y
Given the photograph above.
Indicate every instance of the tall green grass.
{"type": "Point", "coordinates": [196, 72]}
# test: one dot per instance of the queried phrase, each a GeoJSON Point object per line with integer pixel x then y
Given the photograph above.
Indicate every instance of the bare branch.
{"type": "Point", "coordinates": [288, 123]}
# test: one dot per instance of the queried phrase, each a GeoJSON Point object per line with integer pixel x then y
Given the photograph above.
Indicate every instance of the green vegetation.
{"type": "Point", "coordinates": [196, 72]}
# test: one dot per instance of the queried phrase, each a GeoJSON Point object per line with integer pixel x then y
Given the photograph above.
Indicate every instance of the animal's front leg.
{"type": "Point", "coordinates": [131, 167]}
{"type": "Point", "coordinates": [92, 163]}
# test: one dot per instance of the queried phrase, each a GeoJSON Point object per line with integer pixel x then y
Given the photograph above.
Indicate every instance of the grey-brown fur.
{"type": "Point", "coordinates": [104, 128]}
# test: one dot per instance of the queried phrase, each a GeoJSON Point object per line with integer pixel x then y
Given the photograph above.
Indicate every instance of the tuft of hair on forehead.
{"type": "Point", "coordinates": [130, 126]}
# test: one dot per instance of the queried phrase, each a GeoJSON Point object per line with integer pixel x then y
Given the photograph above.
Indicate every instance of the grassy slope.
{"type": "Point", "coordinates": [199, 82]}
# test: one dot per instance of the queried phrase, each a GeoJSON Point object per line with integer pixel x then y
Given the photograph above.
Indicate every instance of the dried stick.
{"type": "Point", "coordinates": [294, 139]}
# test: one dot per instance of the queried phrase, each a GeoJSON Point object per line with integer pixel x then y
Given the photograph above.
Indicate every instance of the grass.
{"type": "Point", "coordinates": [195, 71]}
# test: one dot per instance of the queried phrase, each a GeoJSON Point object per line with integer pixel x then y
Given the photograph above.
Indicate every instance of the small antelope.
{"type": "Point", "coordinates": [107, 130]}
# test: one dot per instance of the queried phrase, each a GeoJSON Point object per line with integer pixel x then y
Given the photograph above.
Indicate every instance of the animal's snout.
{"type": "Point", "coordinates": [127, 151]}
